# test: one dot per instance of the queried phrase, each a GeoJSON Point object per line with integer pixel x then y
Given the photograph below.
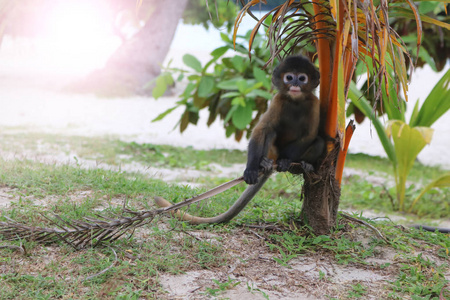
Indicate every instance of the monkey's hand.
{"type": "Point", "coordinates": [251, 175]}
{"type": "Point", "coordinates": [283, 164]}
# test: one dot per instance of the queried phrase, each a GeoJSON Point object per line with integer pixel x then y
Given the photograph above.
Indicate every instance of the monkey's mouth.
{"type": "Point", "coordinates": [295, 91]}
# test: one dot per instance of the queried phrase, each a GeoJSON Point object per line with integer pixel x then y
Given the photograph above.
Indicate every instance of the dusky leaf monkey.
{"type": "Point", "coordinates": [286, 133]}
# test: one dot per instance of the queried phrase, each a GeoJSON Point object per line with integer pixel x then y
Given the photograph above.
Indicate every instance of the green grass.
{"type": "Point", "coordinates": [166, 246]}
{"type": "Point", "coordinates": [169, 156]}
{"type": "Point", "coordinates": [112, 151]}
{"type": "Point", "coordinates": [382, 166]}
{"type": "Point", "coordinates": [164, 251]}
{"type": "Point", "coordinates": [360, 194]}
{"type": "Point", "coordinates": [357, 193]}
{"type": "Point", "coordinates": [56, 179]}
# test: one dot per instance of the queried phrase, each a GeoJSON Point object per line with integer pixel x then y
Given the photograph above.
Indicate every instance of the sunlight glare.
{"type": "Point", "coordinates": [79, 35]}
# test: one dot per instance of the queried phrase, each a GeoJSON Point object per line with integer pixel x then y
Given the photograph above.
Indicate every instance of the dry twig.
{"type": "Point", "coordinates": [105, 270]}
{"type": "Point", "coordinates": [366, 224]}
{"type": "Point", "coordinates": [21, 248]}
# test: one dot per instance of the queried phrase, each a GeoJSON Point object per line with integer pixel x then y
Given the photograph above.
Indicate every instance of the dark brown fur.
{"type": "Point", "coordinates": [286, 133]}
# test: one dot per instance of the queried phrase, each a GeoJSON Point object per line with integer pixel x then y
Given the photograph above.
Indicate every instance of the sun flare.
{"type": "Point", "coordinates": [79, 35]}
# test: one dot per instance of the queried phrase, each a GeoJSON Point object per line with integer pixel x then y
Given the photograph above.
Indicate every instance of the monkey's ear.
{"type": "Point", "coordinates": [276, 77]}
{"type": "Point", "coordinates": [315, 80]}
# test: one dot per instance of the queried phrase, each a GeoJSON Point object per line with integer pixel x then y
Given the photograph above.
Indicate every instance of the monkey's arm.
{"type": "Point", "coordinates": [235, 209]}
{"type": "Point", "coordinates": [258, 149]}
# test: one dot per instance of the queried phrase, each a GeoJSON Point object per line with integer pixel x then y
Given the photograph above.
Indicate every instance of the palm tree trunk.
{"type": "Point", "coordinates": [321, 194]}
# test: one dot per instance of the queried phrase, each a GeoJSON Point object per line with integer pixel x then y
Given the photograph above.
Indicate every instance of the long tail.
{"type": "Point", "coordinates": [233, 211]}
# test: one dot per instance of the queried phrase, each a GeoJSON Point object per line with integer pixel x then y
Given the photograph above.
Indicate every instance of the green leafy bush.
{"type": "Point", "coordinates": [210, 13]}
{"type": "Point", "coordinates": [234, 88]}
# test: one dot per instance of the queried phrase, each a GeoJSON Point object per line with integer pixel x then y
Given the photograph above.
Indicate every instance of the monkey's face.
{"type": "Point", "coordinates": [295, 83]}
{"type": "Point", "coordinates": [296, 77]}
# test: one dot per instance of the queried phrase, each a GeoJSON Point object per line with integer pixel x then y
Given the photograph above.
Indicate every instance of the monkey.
{"type": "Point", "coordinates": [287, 132]}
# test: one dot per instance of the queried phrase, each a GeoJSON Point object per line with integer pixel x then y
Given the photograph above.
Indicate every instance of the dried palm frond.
{"type": "Point", "coordinates": [293, 25]}
{"type": "Point", "coordinates": [92, 232]}
{"type": "Point", "coordinates": [78, 234]}
{"type": "Point", "coordinates": [352, 31]}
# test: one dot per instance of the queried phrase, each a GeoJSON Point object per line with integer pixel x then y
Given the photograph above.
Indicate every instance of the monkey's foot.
{"type": "Point", "coordinates": [307, 167]}
{"type": "Point", "coordinates": [266, 165]}
{"type": "Point", "coordinates": [283, 164]}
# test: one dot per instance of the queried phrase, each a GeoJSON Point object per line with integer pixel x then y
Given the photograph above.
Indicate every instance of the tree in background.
{"type": "Point", "coordinates": [146, 29]}
{"type": "Point", "coordinates": [137, 62]}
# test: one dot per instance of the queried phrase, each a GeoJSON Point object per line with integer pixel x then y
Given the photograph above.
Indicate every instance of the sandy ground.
{"type": "Point", "coordinates": [250, 264]}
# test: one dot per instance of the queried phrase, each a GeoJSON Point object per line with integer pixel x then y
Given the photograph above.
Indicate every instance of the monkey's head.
{"type": "Point", "coordinates": [296, 76]}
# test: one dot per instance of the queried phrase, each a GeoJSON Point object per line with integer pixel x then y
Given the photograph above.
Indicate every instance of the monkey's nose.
{"type": "Point", "coordinates": [295, 89]}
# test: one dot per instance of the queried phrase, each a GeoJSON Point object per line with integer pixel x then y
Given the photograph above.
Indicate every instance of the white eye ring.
{"type": "Point", "coordinates": [303, 78]}
{"type": "Point", "coordinates": [288, 77]}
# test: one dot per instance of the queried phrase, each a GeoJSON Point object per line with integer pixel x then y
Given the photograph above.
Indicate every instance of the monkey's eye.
{"type": "Point", "coordinates": [303, 78]}
{"type": "Point", "coordinates": [288, 77]}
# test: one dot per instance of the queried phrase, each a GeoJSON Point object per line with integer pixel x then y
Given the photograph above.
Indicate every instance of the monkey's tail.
{"type": "Point", "coordinates": [233, 211]}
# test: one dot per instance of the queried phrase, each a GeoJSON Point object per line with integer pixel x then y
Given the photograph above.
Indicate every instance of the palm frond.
{"type": "Point", "coordinates": [92, 232]}
{"type": "Point", "coordinates": [293, 25]}
{"type": "Point", "coordinates": [343, 32]}
{"type": "Point", "coordinates": [77, 234]}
